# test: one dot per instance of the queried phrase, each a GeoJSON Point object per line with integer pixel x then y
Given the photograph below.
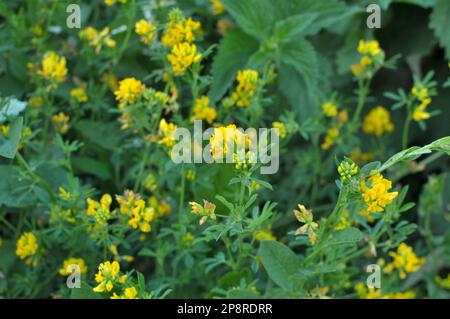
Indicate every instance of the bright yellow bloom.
{"type": "Point", "coordinates": [305, 216]}
{"type": "Point", "coordinates": [246, 88]}
{"type": "Point", "coordinates": [179, 30]}
{"type": "Point", "coordinates": [217, 7]}
{"type": "Point", "coordinates": [421, 94]}
{"type": "Point", "coordinates": [61, 122]}
{"type": "Point", "coordinates": [107, 276]}
{"type": "Point", "coordinates": [405, 260]}
{"type": "Point", "coordinates": [79, 94]}
{"type": "Point", "coordinates": [129, 293]}
{"type": "Point", "coordinates": [166, 133]}
{"type": "Point", "coordinates": [378, 122]}
{"type": "Point", "coordinates": [207, 210]}
{"type": "Point", "coordinates": [112, 2]}
{"type": "Point", "coordinates": [344, 221]}
{"type": "Point", "coordinates": [224, 138]}
{"type": "Point", "coordinates": [371, 47]}
{"type": "Point", "coordinates": [66, 270]}
{"type": "Point", "coordinates": [281, 128]}
{"type": "Point", "coordinates": [330, 138]}
{"type": "Point", "coordinates": [162, 208]}
{"type": "Point", "coordinates": [53, 67]}
{"type": "Point", "coordinates": [377, 195]}
{"type": "Point", "coordinates": [183, 55]}
{"type": "Point", "coordinates": [142, 216]}
{"type": "Point", "coordinates": [27, 247]}
{"type": "Point", "coordinates": [146, 30]}
{"type": "Point", "coordinates": [202, 110]}
{"type": "Point", "coordinates": [129, 92]}
{"type": "Point", "coordinates": [329, 109]}
{"type": "Point", "coordinates": [101, 209]}
{"type": "Point", "coordinates": [367, 293]}
{"type": "Point", "coordinates": [264, 235]}
{"type": "Point", "coordinates": [409, 294]}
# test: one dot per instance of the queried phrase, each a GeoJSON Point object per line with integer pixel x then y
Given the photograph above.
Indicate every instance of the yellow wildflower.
{"type": "Point", "coordinates": [421, 94]}
{"type": "Point", "coordinates": [264, 235]}
{"type": "Point", "coordinates": [53, 67]}
{"type": "Point", "coordinates": [305, 216]}
{"type": "Point", "coordinates": [146, 30]}
{"type": "Point", "coordinates": [378, 122]}
{"type": "Point", "coordinates": [246, 88]}
{"type": "Point", "coordinates": [183, 55]}
{"type": "Point", "coordinates": [329, 109]}
{"type": "Point", "coordinates": [371, 47]}
{"type": "Point", "coordinates": [162, 208]}
{"type": "Point", "coordinates": [179, 29]}
{"type": "Point", "coordinates": [166, 131]}
{"type": "Point", "coordinates": [207, 210]}
{"type": "Point", "coordinates": [377, 195]}
{"type": "Point", "coordinates": [61, 122]}
{"type": "Point", "coordinates": [107, 276]}
{"type": "Point", "coordinates": [202, 110]}
{"type": "Point", "coordinates": [97, 39]}
{"type": "Point", "coordinates": [112, 2]}
{"type": "Point", "coordinates": [281, 128]}
{"type": "Point", "coordinates": [129, 293]}
{"type": "Point", "coordinates": [26, 248]}
{"type": "Point", "coordinates": [79, 94]}
{"type": "Point", "coordinates": [101, 210]}
{"type": "Point", "coordinates": [405, 260]}
{"type": "Point", "coordinates": [65, 270]}
{"type": "Point", "coordinates": [330, 138]}
{"type": "Point", "coordinates": [35, 101]}
{"type": "Point", "coordinates": [217, 7]}
{"type": "Point", "coordinates": [141, 216]}
{"type": "Point", "coordinates": [129, 91]}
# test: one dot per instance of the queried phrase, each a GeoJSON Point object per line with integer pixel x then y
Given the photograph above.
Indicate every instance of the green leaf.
{"type": "Point", "coordinates": [440, 23]}
{"type": "Point", "coordinates": [349, 235]}
{"type": "Point", "coordinates": [253, 16]}
{"type": "Point", "coordinates": [9, 145]}
{"type": "Point", "coordinates": [105, 135]}
{"type": "Point", "coordinates": [280, 262]}
{"type": "Point", "coordinates": [84, 292]}
{"type": "Point", "coordinates": [293, 26]}
{"type": "Point", "coordinates": [234, 51]}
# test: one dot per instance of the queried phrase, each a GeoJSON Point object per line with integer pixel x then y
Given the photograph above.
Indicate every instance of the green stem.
{"type": "Point", "coordinates": [138, 183]}
{"type": "Point", "coordinates": [181, 200]}
{"type": "Point", "coordinates": [406, 131]}
{"type": "Point", "coordinates": [362, 95]}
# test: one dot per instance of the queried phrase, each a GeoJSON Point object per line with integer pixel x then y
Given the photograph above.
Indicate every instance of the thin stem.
{"type": "Point", "coordinates": [406, 130]}
{"type": "Point", "coordinates": [363, 91]}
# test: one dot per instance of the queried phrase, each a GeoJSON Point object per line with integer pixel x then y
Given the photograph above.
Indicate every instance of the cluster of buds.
{"type": "Point", "coordinates": [347, 169]}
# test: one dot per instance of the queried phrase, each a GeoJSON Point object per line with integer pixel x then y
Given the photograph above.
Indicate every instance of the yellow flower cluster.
{"type": "Point", "coordinates": [378, 122]}
{"type": "Point", "coordinates": [405, 261]}
{"type": "Point", "coordinates": [376, 195]}
{"type": "Point", "coordinates": [110, 3]}
{"type": "Point", "coordinates": [281, 128]}
{"type": "Point", "coordinates": [166, 130]}
{"type": "Point", "coordinates": [61, 122]}
{"type": "Point", "coordinates": [223, 137]}
{"type": "Point", "coordinates": [206, 211]}
{"type": "Point", "coordinates": [246, 88]}
{"type": "Point", "coordinates": [108, 274]}
{"type": "Point", "coordinates": [66, 269]}
{"type": "Point", "coordinates": [217, 7]}
{"type": "Point", "coordinates": [421, 94]}
{"type": "Point", "coordinates": [372, 293]}
{"type": "Point", "coordinates": [53, 67]}
{"type": "Point", "coordinates": [97, 39]}
{"type": "Point", "coordinates": [179, 30]}
{"type": "Point", "coordinates": [79, 94]}
{"type": "Point", "coordinates": [129, 293]}
{"type": "Point", "coordinates": [372, 55]}
{"type": "Point", "coordinates": [183, 55]}
{"type": "Point", "coordinates": [162, 208]}
{"type": "Point", "coordinates": [139, 213]}
{"type": "Point", "coordinates": [129, 91]}
{"type": "Point", "coordinates": [305, 216]}
{"type": "Point", "coordinates": [101, 209]}
{"type": "Point", "coordinates": [35, 101]}
{"type": "Point", "coordinates": [202, 110]}
{"type": "Point", "coordinates": [146, 30]}
{"type": "Point", "coordinates": [329, 109]}
{"type": "Point", "coordinates": [330, 138]}
{"type": "Point", "coordinates": [27, 247]}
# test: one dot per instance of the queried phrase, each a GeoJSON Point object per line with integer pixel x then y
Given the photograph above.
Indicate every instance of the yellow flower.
{"type": "Point", "coordinates": [405, 260]}
{"type": "Point", "coordinates": [330, 138]}
{"type": "Point", "coordinates": [369, 47]}
{"type": "Point", "coordinates": [378, 122]}
{"type": "Point", "coordinates": [359, 157]}
{"type": "Point", "coordinates": [188, 237]}
{"type": "Point", "coordinates": [264, 235]}
{"type": "Point", "coordinates": [246, 88]}
{"type": "Point", "coordinates": [367, 293]}
{"type": "Point", "coordinates": [97, 39]}
{"type": "Point", "coordinates": [217, 7]}
{"type": "Point", "coordinates": [162, 208]}
{"type": "Point", "coordinates": [179, 30]}
{"type": "Point", "coordinates": [26, 248]}
{"type": "Point", "coordinates": [79, 94]}
{"type": "Point", "coordinates": [329, 109]}
{"type": "Point", "coordinates": [65, 269]}
{"type": "Point", "coordinates": [166, 131]}
{"type": "Point", "coordinates": [101, 210]}
{"type": "Point", "coordinates": [107, 276]}
{"type": "Point", "coordinates": [129, 92]}
{"type": "Point", "coordinates": [281, 128]}
{"type": "Point", "coordinates": [61, 122]}
{"type": "Point", "coordinates": [183, 55]}
{"type": "Point", "coordinates": [5, 129]}
{"type": "Point", "coordinates": [409, 294]}
{"type": "Point", "coordinates": [344, 221]}
{"type": "Point", "coordinates": [129, 293]}
{"type": "Point", "coordinates": [305, 216]}
{"type": "Point", "coordinates": [377, 195]}
{"type": "Point", "coordinates": [141, 216]}
{"type": "Point", "coordinates": [111, 80]}
{"type": "Point", "coordinates": [63, 194]}
{"type": "Point", "coordinates": [421, 94]}
{"type": "Point", "coordinates": [112, 2]}
{"type": "Point", "coordinates": [207, 210]}
{"type": "Point", "coordinates": [146, 30]}
{"type": "Point", "coordinates": [53, 67]}
{"type": "Point", "coordinates": [202, 110]}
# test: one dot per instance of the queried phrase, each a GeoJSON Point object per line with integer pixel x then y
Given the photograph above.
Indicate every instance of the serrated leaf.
{"type": "Point", "coordinates": [440, 23]}
{"type": "Point", "coordinates": [293, 26]}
